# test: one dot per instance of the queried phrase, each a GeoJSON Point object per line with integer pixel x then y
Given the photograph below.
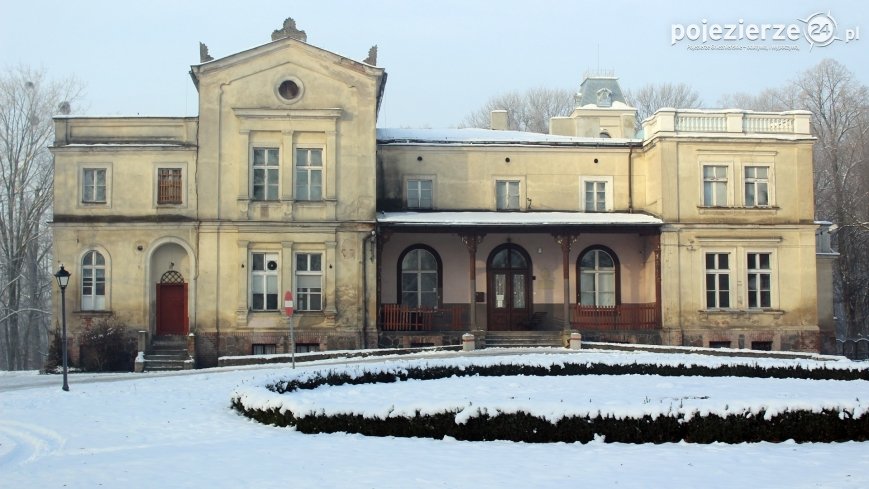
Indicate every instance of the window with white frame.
{"type": "Point", "coordinates": [266, 174]}
{"type": "Point", "coordinates": [264, 287]}
{"type": "Point", "coordinates": [714, 185]}
{"type": "Point", "coordinates": [419, 278]}
{"type": "Point", "coordinates": [597, 279]}
{"type": "Point", "coordinates": [93, 281]}
{"type": "Point", "coordinates": [595, 195]}
{"type": "Point", "coordinates": [309, 281]}
{"type": "Point", "coordinates": [309, 174]}
{"type": "Point", "coordinates": [507, 195]}
{"type": "Point", "coordinates": [93, 185]}
{"type": "Point", "coordinates": [717, 280]}
{"type": "Point", "coordinates": [757, 186]}
{"type": "Point", "coordinates": [419, 193]}
{"type": "Point", "coordinates": [759, 283]}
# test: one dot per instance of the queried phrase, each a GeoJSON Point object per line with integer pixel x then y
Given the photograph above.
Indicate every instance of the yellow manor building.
{"type": "Point", "coordinates": [697, 232]}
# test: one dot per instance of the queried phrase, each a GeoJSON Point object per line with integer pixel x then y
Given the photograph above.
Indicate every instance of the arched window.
{"type": "Point", "coordinates": [420, 277]}
{"type": "Point", "coordinates": [93, 281]}
{"type": "Point", "coordinates": [597, 271]}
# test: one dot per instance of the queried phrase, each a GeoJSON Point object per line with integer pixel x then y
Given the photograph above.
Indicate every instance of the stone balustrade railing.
{"type": "Point", "coordinates": [796, 122]}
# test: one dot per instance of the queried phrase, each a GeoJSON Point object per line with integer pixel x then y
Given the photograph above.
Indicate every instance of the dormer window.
{"type": "Point", "coordinates": [604, 97]}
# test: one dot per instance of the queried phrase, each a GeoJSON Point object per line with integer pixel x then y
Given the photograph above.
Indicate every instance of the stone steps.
{"type": "Point", "coordinates": [168, 353]}
{"type": "Point", "coordinates": [523, 339]}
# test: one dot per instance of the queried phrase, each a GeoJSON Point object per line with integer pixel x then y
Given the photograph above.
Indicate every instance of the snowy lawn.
{"type": "Point", "coordinates": [178, 431]}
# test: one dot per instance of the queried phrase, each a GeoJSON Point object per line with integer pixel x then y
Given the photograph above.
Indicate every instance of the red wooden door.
{"type": "Point", "coordinates": [172, 309]}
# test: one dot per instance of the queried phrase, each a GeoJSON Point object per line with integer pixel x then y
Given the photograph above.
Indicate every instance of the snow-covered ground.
{"type": "Point", "coordinates": [143, 431]}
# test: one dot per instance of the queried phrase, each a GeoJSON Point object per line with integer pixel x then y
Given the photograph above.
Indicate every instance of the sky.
{"type": "Point", "coordinates": [444, 58]}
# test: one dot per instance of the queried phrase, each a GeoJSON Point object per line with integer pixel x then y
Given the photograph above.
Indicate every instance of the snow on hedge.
{"type": "Point", "coordinates": [553, 398]}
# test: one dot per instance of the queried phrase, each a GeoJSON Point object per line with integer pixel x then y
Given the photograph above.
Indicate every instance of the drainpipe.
{"type": "Point", "coordinates": [217, 274]}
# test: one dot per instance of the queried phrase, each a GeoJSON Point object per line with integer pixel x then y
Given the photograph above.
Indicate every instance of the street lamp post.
{"type": "Point", "coordinates": [62, 277]}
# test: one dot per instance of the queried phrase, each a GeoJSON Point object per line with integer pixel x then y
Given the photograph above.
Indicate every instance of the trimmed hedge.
{"type": "Point", "coordinates": [566, 369]}
{"type": "Point", "coordinates": [799, 425]}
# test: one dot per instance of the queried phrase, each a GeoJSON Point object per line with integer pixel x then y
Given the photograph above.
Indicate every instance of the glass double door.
{"type": "Point", "coordinates": [509, 288]}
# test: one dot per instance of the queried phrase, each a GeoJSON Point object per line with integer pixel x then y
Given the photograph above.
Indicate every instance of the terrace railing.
{"type": "Point", "coordinates": [622, 316]}
{"type": "Point", "coordinates": [398, 317]}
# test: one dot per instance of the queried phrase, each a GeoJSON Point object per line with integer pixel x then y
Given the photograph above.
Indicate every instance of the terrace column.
{"type": "Point", "coordinates": [472, 240]}
{"type": "Point", "coordinates": [383, 236]}
{"type": "Point", "coordinates": [658, 312]}
{"type": "Point", "coordinates": [565, 241]}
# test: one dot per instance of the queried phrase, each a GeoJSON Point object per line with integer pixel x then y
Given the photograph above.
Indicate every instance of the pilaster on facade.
{"type": "Point", "coordinates": [330, 271]}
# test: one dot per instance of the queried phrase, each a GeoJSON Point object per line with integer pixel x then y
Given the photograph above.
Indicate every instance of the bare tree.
{"type": "Point", "coordinates": [768, 100]}
{"type": "Point", "coordinates": [526, 111]}
{"type": "Point", "coordinates": [841, 124]}
{"type": "Point", "coordinates": [28, 100]}
{"type": "Point", "coordinates": [652, 97]}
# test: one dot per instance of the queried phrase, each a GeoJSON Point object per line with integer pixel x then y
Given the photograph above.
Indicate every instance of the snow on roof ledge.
{"type": "Point", "coordinates": [488, 136]}
{"type": "Point", "coordinates": [515, 218]}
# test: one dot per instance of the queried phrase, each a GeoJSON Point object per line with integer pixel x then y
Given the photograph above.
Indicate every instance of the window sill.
{"type": "Point", "coordinates": [94, 312]}
{"type": "Point", "coordinates": [703, 209]}
{"type": "Point", "coordinates": [705, 313]}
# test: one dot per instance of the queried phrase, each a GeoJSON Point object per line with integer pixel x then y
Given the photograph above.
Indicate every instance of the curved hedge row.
{"type": "Point", "coordinates": [566, 369]}
{"type": "Point", "coordinates": [799, 425]}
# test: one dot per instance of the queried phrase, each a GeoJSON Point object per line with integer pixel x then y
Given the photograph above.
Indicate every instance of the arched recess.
{"type": "Point", "coordinates": [598, 277]}
{"type": "Point", "coordinates": [171, 255]}
{"type": "Point", "coordinates": [508, 296]}
{"type": "Point", "coordinates": [420, 277]}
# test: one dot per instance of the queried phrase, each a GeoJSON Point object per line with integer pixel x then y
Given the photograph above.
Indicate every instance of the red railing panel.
{"type": "Point", "coordinates": [397, 317]}
{"type": "Point", "coordinates": [622, 316]}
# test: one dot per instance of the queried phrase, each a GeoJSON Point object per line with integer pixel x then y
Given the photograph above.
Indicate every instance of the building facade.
{"type": "Point", "coordinates": [697, 232]}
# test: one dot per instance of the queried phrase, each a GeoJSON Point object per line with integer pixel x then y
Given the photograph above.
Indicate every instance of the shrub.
{"type": "Point", "coordinates": [829, 425]}
{"type": "Point", "coordinates": [54, 360]}
{"type": "Point", "coordinates": [107, 346]}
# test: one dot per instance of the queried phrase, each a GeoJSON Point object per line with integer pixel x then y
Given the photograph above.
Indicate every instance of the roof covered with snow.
{"type": "Point", "coordinates": [488, 136]}
{"type": "Point", "coordinates": [516, 219]}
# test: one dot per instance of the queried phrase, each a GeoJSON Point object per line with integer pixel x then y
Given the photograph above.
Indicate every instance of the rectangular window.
{"type": "Point", "coordinates": [507, 195]}
{"type": "Point", "coordinates": [93, 189]}
{"type": "Point", "coordinates": [719, 344]}
{"type": "Point", "coordinates": [714, 186]}
{"type": "Point", "coordinates": [759, 280]}
{"type": "Point", "coordinates": [169, 186]}
{"type": "Point", "coordinates": [309, 282]}
{"type": "Point", "coordinates": [419, 194]}
{"type": "Point", "coordinates": [266, 174]}
{"type": "Point", "coordinates": [717, 280]}
{"type": "Point", "coordinates": [756, 186]}
{"type": "Point", "coordinates": [307, 347]}
{"type": "Point", "coordinates": [309, 174]}
{"type": "Point", "coordinates": [761, 345]}
{"type": "Point", "coordinates": [264, 282]}
{"type": "Point", "coordinates": [264, 349]}
{"type": "Point", "coordinates": [595, 196]}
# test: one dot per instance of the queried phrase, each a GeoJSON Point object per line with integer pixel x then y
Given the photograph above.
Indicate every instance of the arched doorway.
{"type": "Point", "coordinates": [171, 287]}
{"type": "Point", "coordinates": [172, 304]}
{"type": "Point", "coordinates": [508, 272]}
